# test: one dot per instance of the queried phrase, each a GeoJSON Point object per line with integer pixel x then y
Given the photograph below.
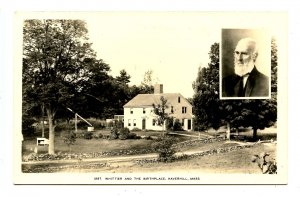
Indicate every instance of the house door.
{"type": "Point", "coordinates": [144, 124]}
{"type": "Point", "coordinates": [189, 124]}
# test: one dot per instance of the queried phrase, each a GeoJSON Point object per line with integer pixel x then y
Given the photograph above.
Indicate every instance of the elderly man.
{"type": "Point", "coordinates": [246, 81]}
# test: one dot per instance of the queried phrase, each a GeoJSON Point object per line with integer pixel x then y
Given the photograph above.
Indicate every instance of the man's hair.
{"type": "Point", "coordinates": [251, 45]}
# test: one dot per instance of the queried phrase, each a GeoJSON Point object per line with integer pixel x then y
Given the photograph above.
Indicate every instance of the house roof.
{"type": "Point", "coordinates": [144, 100]}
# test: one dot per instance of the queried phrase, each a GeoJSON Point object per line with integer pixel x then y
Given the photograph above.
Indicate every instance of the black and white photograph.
{"type": "Point", "coordinates": [246, 63]}
{"type": "Point", "coordinates": [150, 98]}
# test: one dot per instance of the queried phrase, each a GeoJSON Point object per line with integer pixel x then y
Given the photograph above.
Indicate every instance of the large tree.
{"type": "Point", "coordinates": [56, 61]}
{"type": "Point", "coordinates": [206, 93]}
{"type": "Point", "coordinates": [210, 111]}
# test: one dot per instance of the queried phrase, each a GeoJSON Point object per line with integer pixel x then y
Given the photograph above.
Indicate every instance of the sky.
{"type": "Point", "coordinates": [171, 44]}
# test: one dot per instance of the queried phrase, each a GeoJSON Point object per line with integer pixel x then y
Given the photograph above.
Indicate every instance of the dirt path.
{"type": "Point", "coordinates": [199, 136]}
{"type": "Point", "coordinates": [103, 159]}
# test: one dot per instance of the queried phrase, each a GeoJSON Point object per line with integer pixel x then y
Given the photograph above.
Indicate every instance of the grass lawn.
{"type": "Point", "coordinates": [237, 161]}
{"type": "Point", "coordinates": [96, 145]}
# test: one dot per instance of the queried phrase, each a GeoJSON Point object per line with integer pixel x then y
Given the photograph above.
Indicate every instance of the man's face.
{"type": "Point", "coordinates": [243, 58]}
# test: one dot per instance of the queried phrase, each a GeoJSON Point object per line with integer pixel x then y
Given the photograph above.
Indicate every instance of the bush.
{"type": "Point", "coordinates": [133, 136]}
{"type": "Point", "coordinates": [124, 133]}
{"type": "Point", "coordinates": [98, 136]}
{"type": "Point", "coordinates": [70, 139]}
{"type": "Point", "coordinates": [164, 148]}
{"type": "Point", "coordinates": [177, 126]}
{"type": "Point", "coordinates": [107, 137]}
{"type": "Point", "coordinates": [114, 134]}
{"type": "Point", "coordinates": [174, 125]}
{"type": "Point", "coordinates": [88, 135]}
{"type": "Point", "coordinates": [97, 124]}
{"type": "Point", "coordinates": [169, 125]}
{"type": "Point", "coordinates": [136, 129]}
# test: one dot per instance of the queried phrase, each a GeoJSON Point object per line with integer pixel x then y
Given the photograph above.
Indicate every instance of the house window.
{"type": "Point", "coordinates": [182, 123]}
{"type": "Point", "coordinates": [144, 110]}
{"type": "Point", "coordinates": [129, 124]}
{"type": "Point", "coordinates": [179, 99]}
{"type": "Point", "coordinates": [184, 110]}
{"type": "Point", "coordinates": [134, 122]}
{"type": "Point", "coordinates": [153, 122]}
{"type": "Point", "coordinates": [172, 109]}
{"type": "Point", "coordinates": [131, 111]}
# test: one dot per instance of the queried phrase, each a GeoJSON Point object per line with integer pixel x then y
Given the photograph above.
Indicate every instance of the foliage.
{"type": "Point", "coordinates": [177, 126]}
{"type": "Point", "coordinates": [206, 97]}
{"type": "Point", "coordinates": [164, 148]}
{"type": "Point", "coordinates": [27, 126]}
{"type": "Point", "coordinates": [56, 58]}
{"type": "Point", "coordinates": [133, 136]}
{"type": "Point", "coordinates": [173, 125]}
{"type": "Point", "coordinates": [124, 133]}
{"type": "Point", "coordinates": [116, 124]}
{"type": "Point", "coordinates": [70, 139]}
{"type": "Point", "coordinates": [147, 84]}
{"type": "Point", "coordinates": [98, 136]}
{"type": "Point", "coordinates": [169, 125]}
{"type": "Point", "coordinates": [266, 165]}
{"type": "Point", "coordinates": [159, 110]}
{"type": "Point", "coordinates": [136, 129]}
{"type": "Point", "coordinates": [210, 111]}
{"type": "Point", "coordinates": [88, 135]}
{"type": "Point", "coordinates": [114, 134]}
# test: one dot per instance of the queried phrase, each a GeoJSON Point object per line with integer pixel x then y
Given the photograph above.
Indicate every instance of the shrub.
{"type": "Point", "coordinates": [98, 136]}
{"type": "Point", "coordinates": [88, 135]}
{"type": "Point", "coordinates": [174, 125]}
{"type": "Point", "coordinates": [70, 139]}
{"type": "Point", "coordinates": [107, 137]}
{"type": "Point", "coordinates": [124, 133]}
{"type": "Point", "coordinates": [148, 138]}
{"type": "Point", "coordinates": [136, 129]}
{"type": "Point", "coordinates": [133, 136]}
{"type": "Point", "coordinates": [81, 125]}
{"type": "Point", "coordinates": [169, 125]}
{"type": "Point", "coordinates": [114, 134]}
{"type": "Point", "coordinates": [267, 165]}
{"type": "Point", "coordinates": [119, 124]}
{"type": "Point", "coordinates": [164, 148]}
{"type": "Point", "coordinates": [97, 124]}
{"type": "Point", "coordinates": [177, 126]}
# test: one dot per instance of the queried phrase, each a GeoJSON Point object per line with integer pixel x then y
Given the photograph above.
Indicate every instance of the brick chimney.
{"type": "Point", "coordinates": [158, 89]}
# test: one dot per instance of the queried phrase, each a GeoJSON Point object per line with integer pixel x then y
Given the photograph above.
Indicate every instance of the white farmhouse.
{"type": "Point", "coordinates": [138, 112]}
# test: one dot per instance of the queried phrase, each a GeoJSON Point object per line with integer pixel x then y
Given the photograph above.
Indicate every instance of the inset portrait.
{"type": "Point", "coordinates": [245, 64]}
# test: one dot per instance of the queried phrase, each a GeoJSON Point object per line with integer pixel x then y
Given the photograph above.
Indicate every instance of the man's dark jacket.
{"type": "Point", "coordinates": [257, 85]}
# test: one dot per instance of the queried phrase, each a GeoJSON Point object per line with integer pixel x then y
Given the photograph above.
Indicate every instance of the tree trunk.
{"type": "Point", "coordinates": [43, 126]}
{"type": "Point", "coordinates": [51, 132]}
{"type": "Point", "coordinates": [228, 132]}
{"type": "Point", "coordinates": [254, 134]}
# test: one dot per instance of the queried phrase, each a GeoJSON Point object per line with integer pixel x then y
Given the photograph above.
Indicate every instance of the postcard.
{"type": "Point", "coordinates": [150, 97]}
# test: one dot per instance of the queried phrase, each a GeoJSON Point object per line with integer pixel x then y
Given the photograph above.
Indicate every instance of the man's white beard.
{"type": "Point", "coordinates": [242, 69]}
